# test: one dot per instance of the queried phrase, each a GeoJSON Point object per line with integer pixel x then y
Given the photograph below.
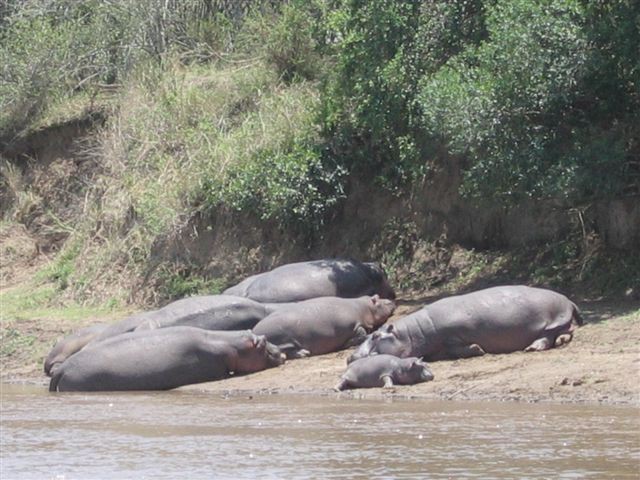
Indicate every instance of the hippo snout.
{"type": "Point", "coordinates": [275, 355]}
{"type": "Point", "coordinates": [363, 351]}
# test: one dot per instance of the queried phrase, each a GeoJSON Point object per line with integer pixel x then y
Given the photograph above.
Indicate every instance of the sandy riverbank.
{"type": "Point", "coordinates": [600, 365]}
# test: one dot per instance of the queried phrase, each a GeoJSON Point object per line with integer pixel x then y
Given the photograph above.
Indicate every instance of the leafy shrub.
{"type": "Point", "coordinates": [515, 107]}
{"type": "Point", "coordinates": [291, 186]}
{"type": "Point", "coordinates": [371, 116]}
{"type": "Point", "coordinates": [285, 38]}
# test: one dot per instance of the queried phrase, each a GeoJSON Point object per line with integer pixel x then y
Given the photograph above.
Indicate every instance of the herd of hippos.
{"type": "Point", "coordinates": [303, 309]}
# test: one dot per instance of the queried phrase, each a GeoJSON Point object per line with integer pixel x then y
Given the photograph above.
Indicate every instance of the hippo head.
{"type": "Point", "coordinates": [382, 310]}
{"type": "Point", "coordinates": [257, 353]}
{"type": "Point", "coordinates": [379, 278]}
{"type": "Point", "coordinates": [415, 370]}
{"type": "Point", "coordinates": [384, 340]}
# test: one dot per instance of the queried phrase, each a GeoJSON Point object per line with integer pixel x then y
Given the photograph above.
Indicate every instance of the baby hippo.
{"type": "Point", "coordinates": [384, 371]}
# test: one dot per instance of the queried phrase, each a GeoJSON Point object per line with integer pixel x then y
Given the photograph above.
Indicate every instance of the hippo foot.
{"type": "Point", "coordinates": [341, 385]}
{"type": "Point", "coordinates": [465, 351]}
{"type": "Point", "coordinates": [388, 382]}
{"type": "Point", "coordinates": [563, 339]}
{"type": "Point", "coordinates": [539, 345]}
{"type": "Point", "coordinates": [302, 353]}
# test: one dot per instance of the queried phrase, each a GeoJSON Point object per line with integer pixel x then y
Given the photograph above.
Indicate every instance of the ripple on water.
{"type": "Point", "coordinates": [178, 434]}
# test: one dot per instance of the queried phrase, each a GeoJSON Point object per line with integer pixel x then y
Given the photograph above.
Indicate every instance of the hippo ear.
{"type": "Point", "coordinates": [375, 298]}
{"type": "Point", "coordinates": [258, 341]}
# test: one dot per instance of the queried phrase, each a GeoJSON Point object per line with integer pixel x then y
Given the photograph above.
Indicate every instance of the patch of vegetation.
{"type": "Point", "coordinates": [35, 301]}
{"type": "Point", "coordinates": [179, 282]}
{"type": "Point", "coordinates": [270, 112]}
{"type": "Point", "coordinates": [12, 341]}
{"type": "Point", "coordinates": [62, 268]}
{"type": "Point", "coordinates": [415, 264]}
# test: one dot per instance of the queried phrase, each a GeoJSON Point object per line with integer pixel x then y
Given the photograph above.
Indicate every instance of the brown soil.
{"type": "Point", "coordinates": [600, 365]}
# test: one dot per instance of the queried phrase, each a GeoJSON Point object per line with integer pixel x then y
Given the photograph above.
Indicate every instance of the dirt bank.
{"type": "Point", "coordinates": [601, 365]}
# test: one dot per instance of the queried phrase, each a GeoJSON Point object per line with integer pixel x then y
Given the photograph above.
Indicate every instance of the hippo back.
{"type": "Point", "coordinates": [320, 278]}
{"type": "Point", "coordinates": [210, 312]}
{"type": "Point", "coordinates": [501, 319]}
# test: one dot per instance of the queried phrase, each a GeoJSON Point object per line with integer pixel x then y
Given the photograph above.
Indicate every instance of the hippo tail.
{"type": "Point", "coordinates": [55, 378]}
{"type": "Point", "coordinates": [577, 317]}
{"type": "Point", "coordinates": [47, 367]}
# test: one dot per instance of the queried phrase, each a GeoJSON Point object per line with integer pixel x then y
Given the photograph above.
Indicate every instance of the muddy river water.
{"type": "Point", "coordinates": [189, 434]}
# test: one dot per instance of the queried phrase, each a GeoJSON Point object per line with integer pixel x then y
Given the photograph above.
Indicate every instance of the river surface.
{"type": "Point", "coordinates": [193, 435]}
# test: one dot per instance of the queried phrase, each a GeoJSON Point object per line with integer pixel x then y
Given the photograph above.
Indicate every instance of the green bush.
{"type": "Point", "coordinates": [291, 186]}
{"type": "Point", "coordinates": [52, 51]}
{"type": "Point", "coordinates": [285, 38]}
{"type": "Point", "coordinates": [520, 107]}
{"type": "Point", "coordinates": [371, 116]}
{"type": "Point", "coordinates": [367, 102]}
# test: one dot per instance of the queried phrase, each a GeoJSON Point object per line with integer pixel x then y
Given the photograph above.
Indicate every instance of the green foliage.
{"type": "Point", "coordinates": [371, 115]}
{"type": "Point", "coordinates": [291, 185]}
{"type": "Point", "coordinates": [13, 341]}
{"type": "Point", "coordinates": [500, 102]}
{"type": "Point", "coordinates": [368, 113]}
{"type": "Point", "coordinates": [516, 106]}
{"type": "Point", "coordinates": [269, 114]}
{"type": "Point", "coordinates": [285, 38]}
{"type": "Point", "coordinates": [51, 51]}
{"type": "Point", "coordinates": [63, 267]}
{"type": "Point", "coordinates": [178, 282]}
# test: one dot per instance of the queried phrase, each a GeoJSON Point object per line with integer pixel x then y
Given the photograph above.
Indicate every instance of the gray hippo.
{"type": "Point", "coordinates": [70, 345]}
{"type": "Point", "coordinates": [323, 325]}
{"type": "Point", "coordinates": [295, 282]}
{"type": "Point", "coordinates": [496, 320]}
{"type": "Point", "coordinates": [384, 371]}
{"type": "Point", "coordinates": [164, 359]}
{"type": "Point", "coordinates": [211, 312]}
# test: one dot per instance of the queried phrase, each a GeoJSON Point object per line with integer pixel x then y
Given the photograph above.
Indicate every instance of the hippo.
{"type": "Point", "coordinates": [295, 282]}
{"type": "Point", "coordinates": [163, 359]}
{"type": "Point", "coordinates": [70, 345]}
{"type": "Point", "coordinates": [325, 324]}
{"type": "Point", "coordinates": [495, 320]}
{"type": "Point", "coordinates": [211, 312]}
{"type": "Point", "coordinates": [384, 371]}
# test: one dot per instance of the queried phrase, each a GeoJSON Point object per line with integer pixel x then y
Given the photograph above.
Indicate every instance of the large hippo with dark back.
{"type": "Point", "coordinates": [164, 359]}
{"type": "Point", "coordinates": [495, 320]}
{"type": "Point", "coordinates": [323, 325]}
{"type": "Point", "coordinates": [295, 282]}
{"type": "Point", "coordinates": [211, 312]}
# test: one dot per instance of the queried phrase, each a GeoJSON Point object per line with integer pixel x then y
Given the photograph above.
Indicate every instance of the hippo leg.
{"type": "Point", "coordinates": [294, 350]}
{"type": "Point", "coordinates": [465, 351]}
{"type": "Point", "coordinates": [388, 382]}
{"type": "Point", "coordinates": [359, 336]}
{"type": "Point", "coordinates": [343, 384]}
